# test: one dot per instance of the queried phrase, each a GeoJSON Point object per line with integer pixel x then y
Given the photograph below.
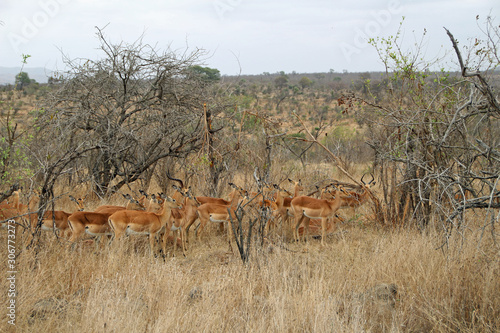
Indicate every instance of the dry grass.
{"type": "Point", "coordinates": [365, 279]}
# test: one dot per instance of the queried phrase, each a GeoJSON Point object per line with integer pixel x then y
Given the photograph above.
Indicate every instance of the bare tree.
{"type": "Point", "coordinates": [435, 134]}
{"type": "Point", "coordinates": [117, 116]}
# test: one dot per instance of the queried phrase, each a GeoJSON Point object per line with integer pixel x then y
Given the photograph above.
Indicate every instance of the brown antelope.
{"type": "Point", "coordinates": [12, 201]}
{"type": "Point", "coordinates": [53, 220]}
{"type": "Point", "coordinates": [353, 199]}
{"type": "Point", "coordinates": [143, 223]}
{"type": "Point", "coordinates": [155, 203]}
{"type": "Point", "coordinates": [92, 223]}
{"type": "Point", "coordinates": [305, 208]}
{"type": "Point", "coordinates": [181, 218]}
{"type": "Point", "coordinates": [190, 214]}
{"type": "Point", "coordinates": [217, 213]}
{"type": "Point", "coordinates": [186, 218]}
{"type": "Point", "coordinates": [96, 223]}
{"type": "Point", "coordinates": [132, 204]}
{"type": "Point", "coordinates": [144, 200]}
{"type": "Point", "coordinates": [260, 199]}
{"type": "Point", "coordinates": [12, 209]}
{"type": "Point", "coordinates": [297, 189]}
{"type": "Point", "coordinates": [281, 210]}
{"type": "Point", "coordinates": [207, 207]}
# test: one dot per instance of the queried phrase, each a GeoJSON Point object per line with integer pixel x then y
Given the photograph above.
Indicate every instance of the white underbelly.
{"type": "Point", "coordinates": [314, 217]}
{"type": "Point", "coordinates": [133, 232]}
{"type": "Point", "coordinates": [45, 228]}
{"type": "Point", "coordinates": [215, 220]}
{"type": "Point", "coordinates": [98, 234]}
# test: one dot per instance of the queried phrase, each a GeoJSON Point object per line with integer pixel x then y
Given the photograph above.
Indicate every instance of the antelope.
{"type": "Point", "coordinates": [254, 199]}
{"type": "Point", "coordinates": [208, 207]}
{"type": "Point", "coordinates": [12, 201]}
{"type": "Point", "coordinates": [288, 200]}
{"type": "Point", "coordinates": [96, 223]}
{"type": "Point", "coordinates": [132, 204]}
{"type": "Point", "coordinates": [12, 209]}
{"type": "Point", "coordinates": [281, 210]}
{"type": "Point", "coordinates": [217, 213]}
{"type": "Point", "coordinates": [181, 218]}
{"type": "Point", "coordinates": [53, 220]}
{"type": "Point", "coordinates": [354, 199]}
{"type": "Point", "coordinates": [92, 223]}
{"type": "Point", "coordinates": [143, 200]}
{"type": "Point", "coordinates": [154, 204]}
{"type": "Point", "coordinates": [190, 215]}
{"type": "Point", "coordinates": [305, 208]}
{"type": "Point", "coordinates": [140, 222]}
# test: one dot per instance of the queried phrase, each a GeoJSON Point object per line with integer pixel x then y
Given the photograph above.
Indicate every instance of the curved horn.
{"type": "Point", "coordinates": [175, 179]}
{"type": "Point", "coordinates": [362, 179]}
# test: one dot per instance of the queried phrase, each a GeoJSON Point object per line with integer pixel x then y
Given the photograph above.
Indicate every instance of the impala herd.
{"type": "Point", "coordinates": [158, 214]}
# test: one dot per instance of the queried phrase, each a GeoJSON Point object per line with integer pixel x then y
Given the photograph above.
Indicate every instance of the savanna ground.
{"type": "Point", "coordinates": [368, 278]}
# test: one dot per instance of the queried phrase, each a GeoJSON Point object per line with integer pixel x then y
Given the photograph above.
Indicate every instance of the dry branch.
{"type": "Point", "coordinates": [338, 163]}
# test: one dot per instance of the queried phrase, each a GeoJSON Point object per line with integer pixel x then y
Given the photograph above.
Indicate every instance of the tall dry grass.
{"type": "Point", "coordinates": [366, 279]}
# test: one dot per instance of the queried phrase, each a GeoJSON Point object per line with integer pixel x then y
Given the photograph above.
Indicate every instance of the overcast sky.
{"type": "Point", "coordinates": [251, 36]}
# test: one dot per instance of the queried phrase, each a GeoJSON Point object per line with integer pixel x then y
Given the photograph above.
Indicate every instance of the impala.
{"type": "Point", "coordinates": [155, 203]}
{"type": "Point", "coordinates": [354, 199]}
{"type": "Point", "coordinates": [144, 223]}
{"type": "Point", "coordinates": [93, 223]}
{"type": "Point", "coordinates": [217, 213]}
{"type": "Point", "coordinates": [12, 209]}
{"type": "Point", "coordinates": [305, 208]}
{"type": "Point", "coordinates": [180, 218]}
{"type": "Point", "coordinates": [288, 200]}
{"type": "Point", "coordinates": [53, 220]}
{"type": "Point", "coordinates": [12, 201]}
{"type": "Point", "coordinates": [143, 200]}
{"type": "Point", "coordinates": [132, 204]}
{"type": "Point", "coordinates": [206, 205]}
{"type": "Point", "coordinates": [281, 210]}
{"type": "Point", "coordinates": [190, 210]}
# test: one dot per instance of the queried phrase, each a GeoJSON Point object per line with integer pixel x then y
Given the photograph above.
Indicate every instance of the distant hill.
{"type": "Point", "coordinates": [39, 74]}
